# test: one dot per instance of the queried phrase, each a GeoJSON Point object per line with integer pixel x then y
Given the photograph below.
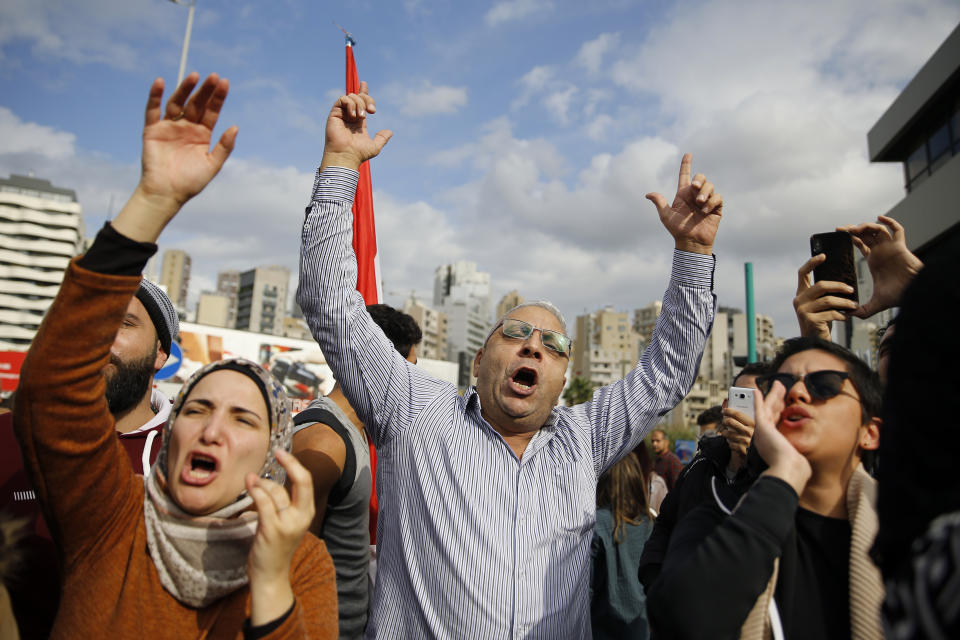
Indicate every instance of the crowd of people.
{"type": "Point", "coordinates": [398, 508]}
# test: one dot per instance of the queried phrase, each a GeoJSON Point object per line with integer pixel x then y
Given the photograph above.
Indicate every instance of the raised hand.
{"type": "Point", "coordinates": [177, 162]}
{"type": "Point", "coordinates": [695, 214]}
{"type": "Point", "coordinates": [282, 522]}
{"type": "Point", "coordinates": [816, 305]}
{"type": "Point", "coordinates": [892, 266]}
{"type": "Point", "coordinates": [348, 144]}
{"type": "Point", "coordinates": [784, 461]}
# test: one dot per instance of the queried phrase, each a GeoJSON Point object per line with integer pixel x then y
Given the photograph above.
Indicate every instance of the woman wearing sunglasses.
{"type": "Point", "coordinates": [791, 557]}
{"type": "Point", "coordinates": [209, 544]}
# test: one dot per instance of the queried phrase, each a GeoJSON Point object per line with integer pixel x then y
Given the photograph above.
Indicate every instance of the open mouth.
{"type": "Point", "coordinates": [201, 466]}
{"type": "Point", "coordinates": [525, 378]}
{"type": "Point", "coordinates": [793, 416]}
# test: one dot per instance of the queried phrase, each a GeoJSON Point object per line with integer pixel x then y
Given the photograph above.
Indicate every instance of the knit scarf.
{"type": "Point", "coordinates": [199, 559]}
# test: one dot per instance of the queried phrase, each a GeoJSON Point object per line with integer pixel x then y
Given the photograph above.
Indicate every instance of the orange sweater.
{"type": "Point", "coordinates": [93, 502]}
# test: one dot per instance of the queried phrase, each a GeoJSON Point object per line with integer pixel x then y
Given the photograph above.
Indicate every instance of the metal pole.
{"type": "Point", "coordinates": [751, 316]}
{"type": "Point", "coordinates": [186, 44]}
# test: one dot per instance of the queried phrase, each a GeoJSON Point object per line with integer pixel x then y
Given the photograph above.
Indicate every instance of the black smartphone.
{"type": "Point", "coordinates": [839, 265]}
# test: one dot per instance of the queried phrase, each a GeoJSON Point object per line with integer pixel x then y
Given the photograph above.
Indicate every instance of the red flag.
{"type": "Point", "coordinates": [368, 263]}
{"type": "Point", "coordinates": [364, 230]}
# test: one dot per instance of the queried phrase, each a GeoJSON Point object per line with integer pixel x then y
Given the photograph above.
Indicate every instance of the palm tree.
{"type": "Point", "coordinates": [579, 391]}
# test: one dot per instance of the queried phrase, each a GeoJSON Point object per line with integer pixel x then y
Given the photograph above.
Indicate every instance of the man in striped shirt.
{"type": "Point", "coordinates": [487, 500]}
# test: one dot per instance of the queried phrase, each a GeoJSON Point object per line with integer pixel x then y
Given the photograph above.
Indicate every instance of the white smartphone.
{"type": "Point", "coordinates": [741, 399]}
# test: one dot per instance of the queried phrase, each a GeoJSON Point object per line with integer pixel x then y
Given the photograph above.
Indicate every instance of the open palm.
{"type": "Point", "coordinates": [177, 160]}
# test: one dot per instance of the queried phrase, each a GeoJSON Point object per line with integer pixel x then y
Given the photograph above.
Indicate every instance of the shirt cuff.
{"type": "Point", "coordinates": [115, 254]}
{"type": "Point", "coordinates": [251, 632]}
{"type": "Point", "coordinates": [335, 183]}
{"type": "Point", "coordinates": [693, 269]}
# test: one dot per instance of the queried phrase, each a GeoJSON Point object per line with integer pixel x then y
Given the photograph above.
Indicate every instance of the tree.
{"type": "Point", "coordinates": [579, 391]}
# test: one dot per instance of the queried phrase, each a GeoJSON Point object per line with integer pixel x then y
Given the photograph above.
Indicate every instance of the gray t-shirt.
{"type": "Point", "coordinates": [347, 518]}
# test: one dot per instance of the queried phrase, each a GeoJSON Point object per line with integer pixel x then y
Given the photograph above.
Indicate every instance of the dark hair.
{"type": "Point", "coordinates": [864, 378]}
{"type": "Point", "coordinates": [623, 488]}
{"type": "Point", "coordinates": [646, 462]}
{"type": "Point", "coordinates": [400, 328]}
{"type": "Point", "coordinates": [754, 369]}
{"type": "Point", "coordinates": [713, 415]}
{"type": "Point", "coordinates": [917, 479]}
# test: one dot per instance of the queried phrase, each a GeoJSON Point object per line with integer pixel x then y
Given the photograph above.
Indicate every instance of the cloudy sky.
{"type": "Point", "coordinates": [526, 132]}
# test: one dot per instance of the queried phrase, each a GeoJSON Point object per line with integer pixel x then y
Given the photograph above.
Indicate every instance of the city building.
{"type": "Point", "coordinates": [175, 276]}
{"type": "Point", "coordinates": [228, 282]}
{"type": "Point", "coordinates": [214, 309]}
{"type": "Point", "coordinates": [605, 346]}
{"type": "Point", "coordinates": [921, 129]}
{"type": "Point", "coordinates": [463, 294]}
{"type": "Point", "coordinates": [766, 342]}
{"type": "Point", "coordinates": [41, 228]}
{"type": "Point", "coordinates": [507, 302]}
{"type": "Point", "coordinates": [433, 325]}
{"type": "Point", "coordinates": [645, 319]}
{"type": "Point", "coordinates": [262, 299]}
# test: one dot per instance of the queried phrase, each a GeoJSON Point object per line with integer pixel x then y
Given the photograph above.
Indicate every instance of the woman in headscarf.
{"type": "Point", "coordinates": [210, 544]}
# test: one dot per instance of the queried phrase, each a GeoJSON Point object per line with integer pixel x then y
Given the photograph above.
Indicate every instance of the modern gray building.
{"type": "Point", "coordinates": [262, 299]}
{"type": "Point", "coordinates": [921, 129]}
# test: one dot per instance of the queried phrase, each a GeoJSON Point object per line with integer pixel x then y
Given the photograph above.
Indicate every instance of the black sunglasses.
{"type": "Point", "coordinates": [821, 385]}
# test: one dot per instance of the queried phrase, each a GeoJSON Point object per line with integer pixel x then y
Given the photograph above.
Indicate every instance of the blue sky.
{"type": "Point", "coordinates": [526, 131]}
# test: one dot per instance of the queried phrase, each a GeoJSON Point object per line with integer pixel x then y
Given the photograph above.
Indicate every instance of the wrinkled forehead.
{"type": "Point", "coordinates": [538, 317]}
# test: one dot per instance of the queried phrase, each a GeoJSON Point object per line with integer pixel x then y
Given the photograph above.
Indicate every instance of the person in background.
{"type": "Point", "coordinates": [330, 441]}
{"type": "Point", "coordinates": [656, 485]}
{"type": "Point", "coordinates": [624, 520]}
{"type": "Point", "coordinates": [713, 473]}
{"type": "Point", "coordinates": [667, 464]}
{"type": "Point", "coordinates": [709, 420]}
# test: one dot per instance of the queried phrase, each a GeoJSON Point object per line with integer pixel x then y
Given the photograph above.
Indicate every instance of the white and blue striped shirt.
{"type": "Point", "coordinates": [472, 542]}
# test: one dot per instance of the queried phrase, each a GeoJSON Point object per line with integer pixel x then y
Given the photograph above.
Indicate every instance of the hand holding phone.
{"type": "Point", "coordinates": [741, 399]}
{"type": "Point", "coordinates": [839, 265]}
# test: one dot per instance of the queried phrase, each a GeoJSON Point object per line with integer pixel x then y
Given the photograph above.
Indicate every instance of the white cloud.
{"type": "Point", "coordinates": [532, 83]}
{"type": "Point", "coordinates": [510, 10]}
{"type": "Point", "coordinates": [558, 104]}
{"type": "Point", "coordinates": [98, 32]}
{"type": "Point", "coordinates": [592, 52]}
{"type": "Point", "coordinates": [428, 99]}
{"type": "Point", "coordinates": [21, 137]}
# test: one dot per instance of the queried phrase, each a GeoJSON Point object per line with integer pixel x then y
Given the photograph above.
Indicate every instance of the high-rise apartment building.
{"type": "Point", "coordinates": [175, 276]}
{"type": "Point", "coordinates": [262, 299]}
{"type": "Point", "coordinates": [507, 302]}
{"type": "Point", "coordinates": [463, 294]}
{"type": "Point", "coordinates": [433, 325]}
{"type": "Point", "coordinates": [645, 319]}
{"type": "Point", "coordinates": [461, 282]}
{"type": "Point", "coordinates": [605, 346]}
{"type": "Point", "coordinates": [228, 283]}
{"type": "Point", "coordinates": [41, 228]}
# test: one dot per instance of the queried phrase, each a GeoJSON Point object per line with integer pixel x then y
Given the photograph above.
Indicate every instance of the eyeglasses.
{"type": "Point", "coordinates": [822, 385]}
{"type": "Point", "coordinates": [553, 340]}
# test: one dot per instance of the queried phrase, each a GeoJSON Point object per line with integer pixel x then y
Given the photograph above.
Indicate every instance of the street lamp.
{"type": "Point", "coordinates": [186, 38]}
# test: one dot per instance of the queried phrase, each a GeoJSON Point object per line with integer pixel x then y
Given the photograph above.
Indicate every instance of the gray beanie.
{"type": "Point", "coordinates": [161, 312]}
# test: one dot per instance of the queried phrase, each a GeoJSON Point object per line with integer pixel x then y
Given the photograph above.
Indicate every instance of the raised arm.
{"type": "Point", "coordinates": [376, 380]}
{"type": "Point", "coordinates": [81, 473]}
{"type": "Point", "coordinates": [621, 414]}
